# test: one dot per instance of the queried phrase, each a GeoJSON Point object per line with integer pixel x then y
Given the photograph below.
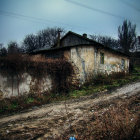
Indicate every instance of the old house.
{"type": "Point", "coordinates": [87, 56]}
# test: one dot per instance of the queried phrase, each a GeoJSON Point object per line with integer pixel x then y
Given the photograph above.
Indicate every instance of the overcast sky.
{"type": "Point", "coordinates": [19, 18]}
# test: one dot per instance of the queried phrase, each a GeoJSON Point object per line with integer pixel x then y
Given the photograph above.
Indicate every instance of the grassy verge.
{"type": "Point", "coordinates": [105, 83]}
{"type": "Point", "coordinates": [96, 85]}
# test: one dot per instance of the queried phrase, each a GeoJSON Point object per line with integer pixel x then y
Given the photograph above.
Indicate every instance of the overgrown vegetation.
{"type": "Point", "coordinates": [15, 104]}
{"type": "Point", "coordinates": [112, 120]}
{"type": "Point", "coordinates": [97, 86]}
{"type": "Point", "coordinates": [59, 70]}
{"type": "Point", "coordinates": [103, 82]}
{"type": "Point", "coordinates": [14, 66]}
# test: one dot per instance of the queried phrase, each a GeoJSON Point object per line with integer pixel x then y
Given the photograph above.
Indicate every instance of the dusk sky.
{"type": "Point", "coordinates": [19, 18]}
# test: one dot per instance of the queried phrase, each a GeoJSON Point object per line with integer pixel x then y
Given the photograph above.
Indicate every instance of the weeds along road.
{"type": "Point", "coordinates": [52, 120]}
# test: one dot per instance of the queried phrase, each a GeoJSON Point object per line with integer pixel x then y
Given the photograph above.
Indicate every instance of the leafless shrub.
{"type": "Point", "coordinates": [116, 121]}
{"type": "Point", "coordinates": [59, 70]}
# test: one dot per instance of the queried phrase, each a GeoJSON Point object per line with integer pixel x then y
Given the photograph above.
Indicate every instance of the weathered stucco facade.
{"type": "Point", "coordinates": [87, 61]}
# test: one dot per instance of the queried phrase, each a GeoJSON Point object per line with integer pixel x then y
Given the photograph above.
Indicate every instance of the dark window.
{"type": "Point", "coordinates": [123, 63]}
{"type": "Point", "coordinates": [101, 58]}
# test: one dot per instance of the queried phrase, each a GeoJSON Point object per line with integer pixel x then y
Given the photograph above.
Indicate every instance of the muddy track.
{"type": "Point", "coordinates": [51, 120]}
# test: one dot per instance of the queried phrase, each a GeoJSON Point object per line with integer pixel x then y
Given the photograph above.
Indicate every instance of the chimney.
{"type": "Point", "coordinates": [85, 35]}
{"type": "Point", "coordinates": [58, 38]}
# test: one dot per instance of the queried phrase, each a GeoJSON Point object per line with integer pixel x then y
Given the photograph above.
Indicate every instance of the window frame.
{"type": "Point", "coordinates": [123, 63]}
{"type": "Point", "coordinates": [101, 58]}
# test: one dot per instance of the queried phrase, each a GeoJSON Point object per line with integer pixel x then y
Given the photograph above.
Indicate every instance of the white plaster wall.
{"type": "Point", "coordinates": [83, 58]}
{"type": "Point", "coordinates": [112, 62]}
{"type": "Point", "coordinates": [26, 82]}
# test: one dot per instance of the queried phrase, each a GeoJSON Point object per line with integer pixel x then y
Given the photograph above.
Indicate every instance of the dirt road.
{"type": "Point", "coordinates": [50, 121]}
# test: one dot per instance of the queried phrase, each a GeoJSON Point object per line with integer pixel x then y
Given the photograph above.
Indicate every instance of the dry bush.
{"type": "Point", "coordinates": [12, 65]}
{"type": "Point", "coordinates": [117, 121]}
{"type": "Point", "coordinates": [103, 78]}
{"type": "Point", "coordinates": [38, 67]}
{"type": "Point", "coordinates": [118, 75]}
{"type": "Point", "coordinates": [37, 58]}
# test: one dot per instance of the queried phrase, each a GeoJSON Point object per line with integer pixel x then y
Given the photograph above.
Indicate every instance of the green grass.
{"type": "Point", "coordinates": [14, 105]}
{"type": "Point", "coordinates": [30, 100]}
{"type": "Point", "coordinates": [107, 84]}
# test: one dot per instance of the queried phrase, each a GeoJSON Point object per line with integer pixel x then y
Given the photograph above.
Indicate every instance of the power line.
{"type": "Point", "coordinates": [33, 19]}
{"type": "Point", "coordinates": [97, 10]}
{"type": "Point", "coordinates": [130, 5]}
{"type": "Point", "coordinates": [18, 17]}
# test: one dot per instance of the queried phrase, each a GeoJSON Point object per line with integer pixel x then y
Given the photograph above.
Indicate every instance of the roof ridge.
{"type": "Point", "coordinates": [80, 36]}
{"type": "Point", "coordinates": [71, 32]}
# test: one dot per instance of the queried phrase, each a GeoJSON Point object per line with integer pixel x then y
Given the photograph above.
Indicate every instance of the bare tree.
{"type": "Point", "coordinates": [48, 37]}
{"type": "Point", "coordinates": [106, 41]}
{"type": "Point", "coordinates": [1, 45]}
{"type": "Point", "coordinates": [137, 45]}
{"type": "Point", "coordinates": [30, 43]}
{"type": "Point", "coordinates": [127, 36]}
{"type": "Point", "coordinates": [13, 48]}
{"type": "Point", "coordinates": [44, 39]}
{"type": "Point", "coordinates": [3, 50]}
